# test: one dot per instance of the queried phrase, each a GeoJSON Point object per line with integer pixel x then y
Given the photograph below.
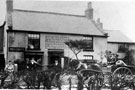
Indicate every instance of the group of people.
{"type": "Point", "coordinates": [33, 64]}
{"type": "Point", "coordinates": [30, 64]}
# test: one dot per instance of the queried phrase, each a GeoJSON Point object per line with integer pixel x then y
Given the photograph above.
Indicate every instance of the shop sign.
{"type": "Point", "coordinates": [16, 49]}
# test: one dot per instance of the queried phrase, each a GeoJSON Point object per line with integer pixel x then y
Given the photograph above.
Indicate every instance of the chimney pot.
{"type": "Point", "coordinates": [99, 24]}
{"type": "Point", "coordinates": [98, 20]}
{"type": "Point", "coordinates": [89, 5]}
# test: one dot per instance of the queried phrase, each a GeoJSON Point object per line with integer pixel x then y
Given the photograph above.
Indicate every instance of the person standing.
{"type": "Point", "coordinates": [27, 64]}
{"type": "Point", "coordinates": [57, 66]}
{"type": "Point", "coordinates": [9, 67]}
{"type": "Point", "coordinates": [15, 67]}
{"type": "Point", "coordinates": [33, 64]}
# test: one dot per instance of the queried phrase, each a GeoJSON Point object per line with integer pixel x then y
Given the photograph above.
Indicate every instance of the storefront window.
{"type": "Point", "coordinates": [33, 41]}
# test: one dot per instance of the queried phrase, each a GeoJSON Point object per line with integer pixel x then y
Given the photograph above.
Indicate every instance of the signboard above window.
{"type": "Point", "coordinates": [17, 49]}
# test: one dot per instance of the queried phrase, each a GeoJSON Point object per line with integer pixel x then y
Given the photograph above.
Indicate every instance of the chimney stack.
{"type": "Point", "coordinates": [9, 5]}
{"type": "Point", "coordinates": [99, 24]}
{"type": "Point", "coordinates": [89, 11]}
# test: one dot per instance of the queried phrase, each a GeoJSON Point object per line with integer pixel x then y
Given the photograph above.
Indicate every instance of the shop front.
{"type": "Point", "coordinates": [22, 57]}
{"type": "Point", "coordinates": [55, 55]}
{"type": "Point", "coordinates": [37, 56]}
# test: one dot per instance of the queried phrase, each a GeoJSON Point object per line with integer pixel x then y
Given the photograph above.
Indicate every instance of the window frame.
{"type": "Point", "coordinates": [88, 56]}
{"type": "Point", "coordinates": [33, 36]}
{"type": "Point", "coordinates": [87, 38]}
{"type": "Point", "coordinates": [124, 47]}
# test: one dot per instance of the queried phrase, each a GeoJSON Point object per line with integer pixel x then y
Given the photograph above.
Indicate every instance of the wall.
{"type": "Point", "coordinates": [16, 39]}
{"type": "Point", "coordinates": [131, 46]}
{"type": "Point", "coordinates": [53, 41]}
{"type": "Point", "coordinates": [100, 45]}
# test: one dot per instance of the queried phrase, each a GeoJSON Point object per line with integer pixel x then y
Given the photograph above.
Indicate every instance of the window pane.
{"type": "Point", "coordinates": [37, 36]}
{"type": "Point", "coordinates": [89, 43]}
{"type": "Point", "coordinates": [29, 35]}
{"type": "Point", "coordinates": [88, 57]}
{"type": "Point", "coordinates": [33, 41]}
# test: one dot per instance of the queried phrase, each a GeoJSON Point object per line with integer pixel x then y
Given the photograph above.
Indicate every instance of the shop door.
{"type": "Point", "coordinates": [55, 55]}
{"type": "Point", "coordinates": [37, 58]}
{"type": "Point", "coordinates": [2, 62]}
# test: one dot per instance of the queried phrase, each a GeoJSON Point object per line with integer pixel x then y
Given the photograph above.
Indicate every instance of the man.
{"type": "Point", "coordinates": [9, 67]}
{"type": "Point", "coordinates": [33, 64]}
{"type": "Point", "coordinates": [57, 66]}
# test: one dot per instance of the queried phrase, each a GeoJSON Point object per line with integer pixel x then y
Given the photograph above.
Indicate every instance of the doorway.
{"type": "Point", "coordinates": [54, 55]}
{"type": "Point", "coordinates": [2, 62]}
{"type": "Point", "coordinates": [37, 58]}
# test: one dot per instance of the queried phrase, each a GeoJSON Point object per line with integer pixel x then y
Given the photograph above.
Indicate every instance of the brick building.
{"type": "Point", "coordinates": [42, 35]}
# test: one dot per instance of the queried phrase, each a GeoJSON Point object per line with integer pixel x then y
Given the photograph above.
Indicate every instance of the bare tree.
{"type": "Point", "coordinates": [76, 46]}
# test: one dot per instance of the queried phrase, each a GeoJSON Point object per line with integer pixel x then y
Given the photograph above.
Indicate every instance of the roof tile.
{"type": "Point", "coordinates": [53, 22]}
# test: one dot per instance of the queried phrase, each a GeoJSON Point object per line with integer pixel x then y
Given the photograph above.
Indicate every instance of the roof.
{"type": "Point", "coordinates": [116, 36]}
{"type": "Point", "coordinates": [53, 22]}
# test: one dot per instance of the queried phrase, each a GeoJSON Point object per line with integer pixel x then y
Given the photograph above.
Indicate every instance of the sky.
{"type": "Point", "coordinates": [114, 14]}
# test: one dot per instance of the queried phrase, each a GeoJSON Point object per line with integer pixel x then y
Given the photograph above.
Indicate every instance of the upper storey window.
{"type": "Point", "coordinates": [89, 43]}
{"type": "Point", "coordinates": [33, 41]}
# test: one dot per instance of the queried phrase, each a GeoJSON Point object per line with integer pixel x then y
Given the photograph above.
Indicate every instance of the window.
{"type": "Point", "coordinates": [89, 43]}
{"type": "Point", "coordinates": [88, 57]}
{"type": "Point", "coordinates": [122, 47]}
{"type": "Point", "coordinates": [33, 41]}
